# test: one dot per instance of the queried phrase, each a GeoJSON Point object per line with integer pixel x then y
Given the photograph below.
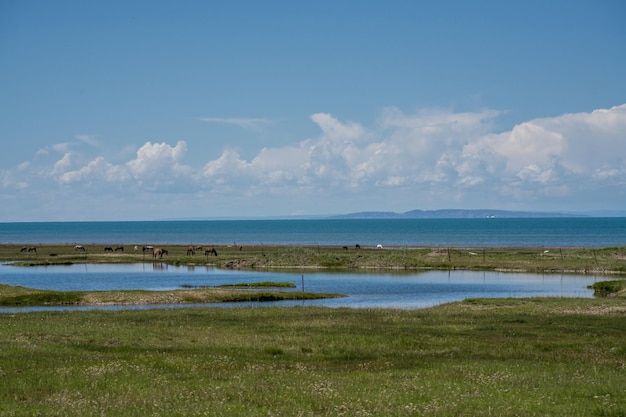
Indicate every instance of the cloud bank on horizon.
{"type": "Point", "coordinates": [428, 159]}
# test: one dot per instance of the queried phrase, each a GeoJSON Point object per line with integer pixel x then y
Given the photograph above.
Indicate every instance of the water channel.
{"type": "Point", "coordinates": [404, 290]}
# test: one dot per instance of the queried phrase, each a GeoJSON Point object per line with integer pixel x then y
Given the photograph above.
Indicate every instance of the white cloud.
{"type": "Point", "coordinates": [62, 147]}
{"type": "Point", "coordinates": [436, 156]}
{"type": "Point", "coordinates": [547, 150]}
{"type": "Point", "coordinates": [88, 139]}
{"type": "Point", "coordinates": [335, 131]}
{"type": "Point", "coordinates": [96, 169]}
{"type": "Point", "coordinates": [158, 166]}
{"type": "Point", "coordinates": [157, 158]}
{"type": "Point", "coordinates": [246, 123]}
{"type": "Point", "coordinates": [62, 165]}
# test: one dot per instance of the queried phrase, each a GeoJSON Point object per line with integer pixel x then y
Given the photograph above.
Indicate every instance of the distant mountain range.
{"type": "Point", "coordinates": [452, 214]}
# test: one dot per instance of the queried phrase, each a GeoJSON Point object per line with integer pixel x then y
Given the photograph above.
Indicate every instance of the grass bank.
{"type": "Point", "coordinates": [503, 357]}
{"type": "Point", "coordinates": [22, 296]}
{"type": "Point", "coordinates": [609, 261]}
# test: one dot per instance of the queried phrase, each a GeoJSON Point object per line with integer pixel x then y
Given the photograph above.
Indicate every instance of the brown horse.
{"type": "Point", "coordinates": [79, 248]}
{"type": "Point", "coordinates": [108, 249]}
{"type": "Point", "coordinates": [211, 251]}
{"type": "Point", "coordinates": [191, 251]}
{"type": "Point", "coordinates": [158, 253]}
{"type": "Point", "coordinates": [32, 249]}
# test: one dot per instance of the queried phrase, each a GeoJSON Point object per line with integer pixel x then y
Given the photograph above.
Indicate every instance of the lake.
{"type": "Point", "coordinates": [554, 232]}
{"type": "Point", "coordinates": [363, 290]}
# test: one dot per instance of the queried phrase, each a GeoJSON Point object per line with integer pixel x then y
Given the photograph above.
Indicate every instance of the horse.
{"type": "Point", "coordinates": [108, 249]}
{"type": "Point", "coordinates": [191, 251]}
{"type": "Point", "coordinates": [379, 246]}
{"type": "Point", "coordinates": [32, 249]}
{"type": "Point", "coordinates": [147, 248]}
{"type": "Point", "coordinates": [119, 249]}
{"type": "Point", "coordinates": [24, 249]}
{"type": "Point", "coordinates": [79, 248]}
{"type": "Point", "coordinates": [211, 251]}
{"type": "Point", "coordinates": [357, 246]}
{"type": "Point", "coordinates": [158, 253]}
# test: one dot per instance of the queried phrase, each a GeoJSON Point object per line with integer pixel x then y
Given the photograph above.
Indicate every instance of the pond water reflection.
{"type": "Point", "coordinates": [363, 290]}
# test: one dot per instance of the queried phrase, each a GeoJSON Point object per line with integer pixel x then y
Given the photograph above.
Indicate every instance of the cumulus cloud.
{"type": "Point", "coordinates": [440, 156]}
{"type": "Point", "coordinates": [158, 159]}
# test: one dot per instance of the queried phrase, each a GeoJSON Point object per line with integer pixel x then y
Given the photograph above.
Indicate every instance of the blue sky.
{"type": "Point", "coordinates": [202, 109]}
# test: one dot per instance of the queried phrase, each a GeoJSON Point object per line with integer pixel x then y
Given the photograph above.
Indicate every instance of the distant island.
{"type": "Point", "coordinates": [451, 214]}
{"type": "Point", "coordinates": [425, 214]}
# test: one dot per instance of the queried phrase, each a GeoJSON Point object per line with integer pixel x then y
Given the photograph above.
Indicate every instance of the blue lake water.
{"type": "Point", "coordinates": [362, 290]}
{"type": "Point", "coordinates": [556, 232]}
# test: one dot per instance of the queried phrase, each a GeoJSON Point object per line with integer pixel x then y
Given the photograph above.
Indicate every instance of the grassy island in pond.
{"type": "Point", "coordinates": [17, 296]}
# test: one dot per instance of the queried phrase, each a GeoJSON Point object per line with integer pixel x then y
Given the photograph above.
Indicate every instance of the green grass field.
{"type": "Point", "coordinates": [504, 357]}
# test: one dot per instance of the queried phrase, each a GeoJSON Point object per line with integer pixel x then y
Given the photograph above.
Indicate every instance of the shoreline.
{"type": "Point", "coordinates": [601, 261]}
{"type": "Point", "coordinates": [608, 262]}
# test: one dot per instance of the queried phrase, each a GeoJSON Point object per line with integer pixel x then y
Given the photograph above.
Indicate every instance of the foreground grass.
{"type": "Point", "coordinates": [534, 357]}
{"type": "Point", "coordinates": [542, 260]}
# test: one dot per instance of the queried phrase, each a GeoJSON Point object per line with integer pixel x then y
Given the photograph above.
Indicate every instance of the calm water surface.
{"type": "Point", "coordinates": [362, 290]}
{"type": "Point", "coordinates": [559, 232]}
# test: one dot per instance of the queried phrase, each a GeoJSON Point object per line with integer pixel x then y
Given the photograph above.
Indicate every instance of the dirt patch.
{"type": "Point", "coordinates": [598, 310]}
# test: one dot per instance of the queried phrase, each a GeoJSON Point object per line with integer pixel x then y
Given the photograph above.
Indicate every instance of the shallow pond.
{"type": "Point", "coordinates": [363, 290]}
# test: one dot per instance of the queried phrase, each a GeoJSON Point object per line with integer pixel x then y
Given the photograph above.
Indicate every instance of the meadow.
{"type": "Point", "coordinates": [479, 357]}
{"type": "Point", "coordinates": [501, 357]}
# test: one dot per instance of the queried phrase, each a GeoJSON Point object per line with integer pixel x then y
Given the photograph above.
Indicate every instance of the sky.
{"type": "Point", "coordinates": [148, 110]}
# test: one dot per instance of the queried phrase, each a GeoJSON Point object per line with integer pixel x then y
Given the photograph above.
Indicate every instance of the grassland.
{"type": "Point", "coordinates": [542, 260]}
{"type": "Point", "coordinates": [503, 357]}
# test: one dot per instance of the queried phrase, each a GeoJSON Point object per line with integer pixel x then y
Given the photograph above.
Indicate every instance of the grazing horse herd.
{"type": "Point", "coordinates": [191, 250]}
{"type": "Point", "coordinates": [156, 252]}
